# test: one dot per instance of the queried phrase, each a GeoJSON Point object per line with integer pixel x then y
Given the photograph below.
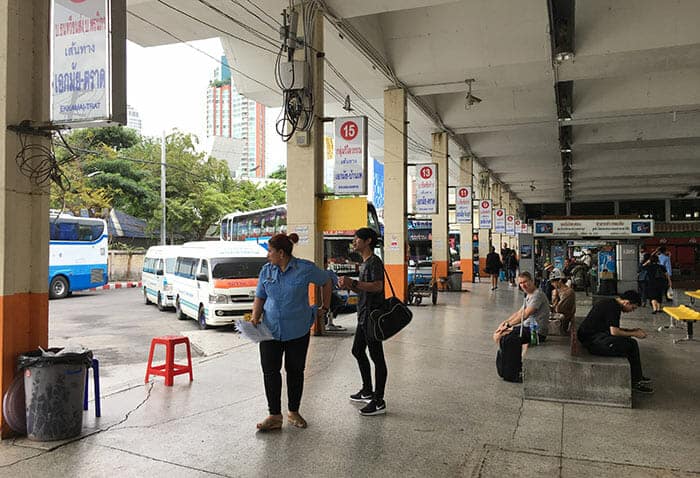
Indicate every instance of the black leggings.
{"type": "Point", "coordinates": [294, 351]}
{"type": "Point", "coordinates": [376, 352]}
{"type": "Point", "coordinates": [611, 346]}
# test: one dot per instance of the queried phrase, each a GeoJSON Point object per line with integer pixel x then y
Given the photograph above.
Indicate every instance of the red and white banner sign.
{"type": "Point", "coordinates": [463, 205]}
{"type": "Point", "coordinates": [349, 170]}
{"type": "Point", "coordinates": [518, 226]}
{"type": "Point", "coordinates": [485, 214]}
{"type": "Point", "coordinates": [426, 189]}
{"type": "Point", "coordinates": [510, 224]}
{"type": "Point", "coordinates": [523, 227]}
{"type": "Point", "coordinates": [499, 220]}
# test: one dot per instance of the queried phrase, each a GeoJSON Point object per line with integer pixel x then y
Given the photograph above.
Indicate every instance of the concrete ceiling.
{"type": "Point", "coordinates": [635, 113]}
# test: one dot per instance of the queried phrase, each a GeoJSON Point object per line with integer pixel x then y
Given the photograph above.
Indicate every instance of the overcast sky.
{"type": "Point", "coordinates": [167, 86]}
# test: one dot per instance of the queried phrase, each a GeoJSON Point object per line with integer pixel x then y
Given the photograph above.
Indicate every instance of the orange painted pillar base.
{"type": "Point", "coordinates": [24, 325]}
{"type": "Point", "coordinates": [467, 267]}
{"type": "Point", "coordinates": [482, 267]}
{"type": "Point", "coordinates": [440, 269]}
{"type": "Point", "coordinates": [398, 273]}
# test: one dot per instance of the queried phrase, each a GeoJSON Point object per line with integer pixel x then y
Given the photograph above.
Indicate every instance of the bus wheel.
{"type": "Point", "coordinates": [178, 310]}
{"type": "Point", "coordinates": [146, 300]}
{"type": "Point", "coordinates": [202, 318]}
{"type": "Point", "coordinates": [160, 303]}
{"type": "Point", "coordinates": [58, 288]}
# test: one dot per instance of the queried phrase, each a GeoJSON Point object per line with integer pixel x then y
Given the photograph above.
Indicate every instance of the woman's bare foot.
{"type": "Point", "coordinates": [297, 420]}
{"type": "Point", "coordinates": [272, 422]}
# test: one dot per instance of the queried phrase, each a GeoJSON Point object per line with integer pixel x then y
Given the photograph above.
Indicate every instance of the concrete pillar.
{"type": "Point", "coordinates": [441, 256]}
{"type": "Point", "coordinates": [395, 204]}
{"type": "Point", "coordinates": [24, 206]}
{"type": "Point", "coordinates": [305, 175]}
{"type": "Point", "coordinates": [466, 178]}
{"type": "Point", "coordinates": [484, 234]}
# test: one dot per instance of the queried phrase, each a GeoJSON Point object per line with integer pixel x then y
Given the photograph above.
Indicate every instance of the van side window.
{"type": "Point", "coordinates": [205, 268]}
{"type": "Point", "coordinates": [159, 267]}
{"type": "Point", "coordinates": [185, 267]}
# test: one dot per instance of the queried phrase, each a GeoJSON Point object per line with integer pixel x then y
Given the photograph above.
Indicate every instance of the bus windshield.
{"type": "Point", "coordinates": [237, 268]}
{"type": "Point", "coordinates": [340, 257]}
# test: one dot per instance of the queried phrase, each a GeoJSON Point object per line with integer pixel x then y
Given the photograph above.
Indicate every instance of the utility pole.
{"type": "Point", "coordinates": [163, 236]}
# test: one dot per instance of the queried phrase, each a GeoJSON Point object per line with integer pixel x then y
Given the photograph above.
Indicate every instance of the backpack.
{"type": "Point", "coordinates": [509, 362]}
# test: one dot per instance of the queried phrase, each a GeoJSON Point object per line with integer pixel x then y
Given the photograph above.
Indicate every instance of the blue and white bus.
{"type": "Point", "coordinates": [77, 254]}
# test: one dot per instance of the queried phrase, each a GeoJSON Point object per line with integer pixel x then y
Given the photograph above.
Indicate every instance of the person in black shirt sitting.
{"type": "Point", "coordinates": [601, 334]}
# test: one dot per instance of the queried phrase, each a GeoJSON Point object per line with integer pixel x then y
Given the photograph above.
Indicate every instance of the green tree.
{"type": "Point", "coordinates": [280, 173]}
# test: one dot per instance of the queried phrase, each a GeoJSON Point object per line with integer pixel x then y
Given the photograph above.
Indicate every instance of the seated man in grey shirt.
{"type": "Point", "coordinates": [534, 311]}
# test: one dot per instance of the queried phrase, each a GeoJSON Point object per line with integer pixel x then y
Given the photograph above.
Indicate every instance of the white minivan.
{"type": "Point", "coordinates": [158, 274]}
{"type": "Point", "coordinates": [215, 281]}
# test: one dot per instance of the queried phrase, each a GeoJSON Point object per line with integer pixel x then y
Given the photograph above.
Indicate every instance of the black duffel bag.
{"type": "Point", "coordinates": [389, 319]}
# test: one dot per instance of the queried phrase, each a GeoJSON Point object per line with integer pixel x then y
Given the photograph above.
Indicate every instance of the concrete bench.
{"type": "Point", "coordinates": [551, 373]}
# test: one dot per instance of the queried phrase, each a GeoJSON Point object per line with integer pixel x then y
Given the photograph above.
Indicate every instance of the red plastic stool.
{"type": "Point", "coordinates": [169, 369]}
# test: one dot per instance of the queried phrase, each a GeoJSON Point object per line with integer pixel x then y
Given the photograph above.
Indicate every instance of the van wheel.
{"type": "Point", "coordinates": [202, 318]}
{"type": "Point", "coordinates": [160, 303]}
{"type": "Point", "coordinates": [178, 310]}
{"type": "Point", "coordinates": [58, 288]}
{"type": "Point", "coordinates": [146, 300]}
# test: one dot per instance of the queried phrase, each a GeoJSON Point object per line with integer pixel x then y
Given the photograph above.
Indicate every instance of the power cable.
{"type": "Point", "coordinates": [192, 17]}
{"type": "Point", "coordinates": [217, 60]}
{"type": "Point", "coordinates": [266, 38]}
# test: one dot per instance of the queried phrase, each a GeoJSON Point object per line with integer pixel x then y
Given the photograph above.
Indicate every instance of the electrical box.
{"type": "Point", "coordinates": [302, 138]}
{"type": "Point", "coordinates": [293, 75]}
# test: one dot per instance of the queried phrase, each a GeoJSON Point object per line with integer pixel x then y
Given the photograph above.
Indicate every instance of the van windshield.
{"type": "Point", "coordinates": [237, 268]}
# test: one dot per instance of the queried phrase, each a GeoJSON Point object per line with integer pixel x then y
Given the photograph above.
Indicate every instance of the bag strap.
{"type": "Point", "coordinates": [391, 286]}
{"type": "Point", "coordinates": [522, 316]}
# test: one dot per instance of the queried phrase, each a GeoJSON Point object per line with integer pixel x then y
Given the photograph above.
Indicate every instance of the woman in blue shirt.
{"type": "Point", "coordinates": [282, 304]}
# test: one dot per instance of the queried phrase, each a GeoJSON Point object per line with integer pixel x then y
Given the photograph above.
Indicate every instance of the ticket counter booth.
{"type": "Point", "coordinates": [600, 255]}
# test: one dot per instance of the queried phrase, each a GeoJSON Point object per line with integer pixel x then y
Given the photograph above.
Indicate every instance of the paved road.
{"type": "Point", "coordinates": [115, 324]}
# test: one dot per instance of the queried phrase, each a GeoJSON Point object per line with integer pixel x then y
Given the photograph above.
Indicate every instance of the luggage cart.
{"type": "Point", "coordinates": [422, 282]}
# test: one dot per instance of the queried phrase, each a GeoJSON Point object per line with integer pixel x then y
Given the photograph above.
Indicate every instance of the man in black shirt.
{"type": "Point", "coordinates": [370, 289]}
{"type": "Point", "coordinates": [601, 334]}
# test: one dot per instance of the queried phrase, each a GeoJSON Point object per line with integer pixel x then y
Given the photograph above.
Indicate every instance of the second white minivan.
{"type": "Point", "coordinates": [158, 274]}
{"type": "Point", "coordinates": [215, 281]}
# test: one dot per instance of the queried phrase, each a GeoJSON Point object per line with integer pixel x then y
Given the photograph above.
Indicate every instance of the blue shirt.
{"type": "Point", "coordinates": [665, 261]}
{"type": "Point", "coordinates": [287, 313]}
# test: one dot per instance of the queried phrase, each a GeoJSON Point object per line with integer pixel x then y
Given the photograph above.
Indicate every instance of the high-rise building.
{"type": "Point", "coordinates": [133, 119]}
{"type": "Point", "coordinates": [231, 115]}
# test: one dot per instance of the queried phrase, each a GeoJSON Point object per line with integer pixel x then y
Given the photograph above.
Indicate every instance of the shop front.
{"type": "Point", "coordinates": [599, 255]}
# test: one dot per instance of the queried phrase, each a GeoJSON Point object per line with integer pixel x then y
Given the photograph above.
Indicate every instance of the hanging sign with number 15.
{"type": "Point", "coordinates": [350, 168]}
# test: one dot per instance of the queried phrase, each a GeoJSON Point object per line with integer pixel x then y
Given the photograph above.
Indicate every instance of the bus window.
{"type": "Point", "coordinates": [281, 219]}
{"type": "Point", "coordinates": [243, 228]}
{"type": "Point", "coordinates": [255, 225]}
{"type": "Point", "coordinates": [225, 235]}
{"type": "Point", "coordinates": [269, 224]}
{"type": "Point", "coordinates": [85, 233]}
{"type": "Point", "coordinates": [64, 231]}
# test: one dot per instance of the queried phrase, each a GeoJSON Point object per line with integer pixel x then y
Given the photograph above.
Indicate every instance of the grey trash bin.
{"type": "Point", "coordinates": [54, 387]}
{"type": "Point", "coordinates": [454, 280]}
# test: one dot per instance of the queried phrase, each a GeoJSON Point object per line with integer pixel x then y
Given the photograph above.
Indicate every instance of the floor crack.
{"type": "Point", "coordinates": [517, 423]}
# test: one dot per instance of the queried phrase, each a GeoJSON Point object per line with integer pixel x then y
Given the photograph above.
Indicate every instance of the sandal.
{"type": "Point", "coordinates": [297, 420]}
{"type": "Point", "coordinates": [270, 423]}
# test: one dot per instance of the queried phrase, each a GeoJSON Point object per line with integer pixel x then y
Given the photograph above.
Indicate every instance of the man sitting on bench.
{"type": "Point", "coordinates": [601, 334]}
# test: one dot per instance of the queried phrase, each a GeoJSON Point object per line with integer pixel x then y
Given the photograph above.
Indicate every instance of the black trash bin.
{"type": "Point", "coordinates": [54, 386]}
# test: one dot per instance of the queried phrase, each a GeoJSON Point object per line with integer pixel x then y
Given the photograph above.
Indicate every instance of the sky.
{"type": "Point", "coordinates": [167, 86]}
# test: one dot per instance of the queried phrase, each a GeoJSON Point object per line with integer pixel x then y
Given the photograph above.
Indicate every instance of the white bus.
{"type": "Point", "coordinates": [215, 281]}
{"type": "Point", "coordinates": [77, 254]}
{"type": "Point", "coordinates": [158, 274]}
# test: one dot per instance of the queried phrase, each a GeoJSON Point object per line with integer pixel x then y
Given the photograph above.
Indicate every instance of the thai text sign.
{"type": "Point", "coordinates": [518, 226]}
{"type": "Point", "coordinates": [463, 205]}
{"type": "Point", "coordinates": [499, 220]}
{"type": "Point", "coordinates": [510, 224]}
{"type": "Point", "coordinates": [349, 171]}
{"type": "Point", "coordinates": [426, 189]}
{"type": "Point", "coordinates": [595, 228]}
{"type": "Point", "coordinates": [81, 62]}
{"type": "Point", "coordinates": [485, 214]}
